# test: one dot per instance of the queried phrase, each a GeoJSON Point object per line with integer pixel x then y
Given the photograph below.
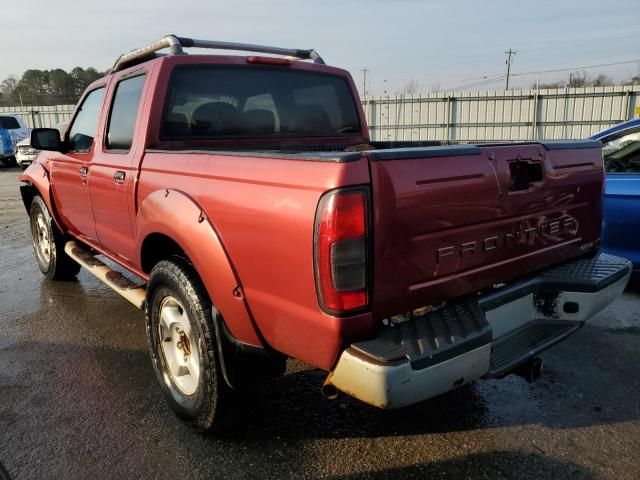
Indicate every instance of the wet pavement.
{"type": "Point", "coordinates": [78, 399]}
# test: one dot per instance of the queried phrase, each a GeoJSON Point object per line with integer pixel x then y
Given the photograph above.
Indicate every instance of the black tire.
{"type": "Point", "coordinates": [4, 475]}
{"type": "Point", "coordinates": [208, 408]}
{"type": "Point", "coordinates": [23, 166]}
{"type": "Point", "coordinates": [56, 265]}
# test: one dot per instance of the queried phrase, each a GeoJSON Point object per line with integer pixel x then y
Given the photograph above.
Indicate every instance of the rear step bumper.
{"type": "Point", "coordinates": [488, 335]}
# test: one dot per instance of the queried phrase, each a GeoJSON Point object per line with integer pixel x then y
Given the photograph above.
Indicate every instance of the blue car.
{"type": "Point", "coordinates": [621, 230]}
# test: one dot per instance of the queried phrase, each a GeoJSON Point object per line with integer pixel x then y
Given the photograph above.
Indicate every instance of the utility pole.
{"type": "Point", "coordinates": [510, 53]}
{"type": "Point", "coordinates": [364, 81]}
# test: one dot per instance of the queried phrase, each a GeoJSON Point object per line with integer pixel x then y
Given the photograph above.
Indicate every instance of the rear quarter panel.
{"type": "Point", "coordinates": [263, 210]}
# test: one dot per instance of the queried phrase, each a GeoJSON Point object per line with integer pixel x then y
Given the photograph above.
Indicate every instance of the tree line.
{"type": "Point", "coordinates": [583, 79]}
{"type": "Point", "coordinates": [46, 87]}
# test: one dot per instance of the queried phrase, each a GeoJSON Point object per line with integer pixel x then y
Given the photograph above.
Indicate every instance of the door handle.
{"type": "Point", "coordinates": [119, 176]}
{"type": "Point", "coordinates": [84, 171]}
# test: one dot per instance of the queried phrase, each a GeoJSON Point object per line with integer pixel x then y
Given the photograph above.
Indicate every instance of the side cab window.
{"type": "Point", "coordinates": [85, 124]}
{"type": "Point", "coordinates": [124, 113]}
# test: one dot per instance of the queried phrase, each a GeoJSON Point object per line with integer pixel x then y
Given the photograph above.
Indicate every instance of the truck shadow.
{"type": "Point", "coordinates": [574, 392]}
{"type": "Point", "coordinates": [634, 284]}
{"type": "Point", "coordinates": [297, 395]}
{"type": "Point", "coordinates": [518, 465]}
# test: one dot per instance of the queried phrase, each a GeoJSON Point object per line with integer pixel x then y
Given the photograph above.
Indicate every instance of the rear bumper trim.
{"type": "Point", "coordinates": [409, 363]}
{"type": "Point", "coordinates": [395, 385]}
{"type": "Point", "coordinates": [583, 275]}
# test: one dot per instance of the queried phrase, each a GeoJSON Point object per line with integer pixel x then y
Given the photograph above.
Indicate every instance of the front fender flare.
{"type": "Point", "coordinates": [36, 176]}
{"type": "Point", "coordinates": [177, 216]}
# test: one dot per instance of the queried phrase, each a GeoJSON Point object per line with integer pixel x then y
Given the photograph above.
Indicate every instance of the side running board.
{"type": "Point", "coordinates": [131, 291]}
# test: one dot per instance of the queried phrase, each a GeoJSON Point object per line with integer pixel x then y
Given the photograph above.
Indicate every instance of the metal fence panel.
{"type": "Point", "coordinates": [45, 116]}
{"type": "Point", "coordinates": [502, 115]}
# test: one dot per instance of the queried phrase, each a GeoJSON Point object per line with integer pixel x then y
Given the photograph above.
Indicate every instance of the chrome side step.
{"type": "Point", "coordinates": [133, 292]}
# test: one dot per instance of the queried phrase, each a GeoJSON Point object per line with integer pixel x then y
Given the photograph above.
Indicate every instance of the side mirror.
{"type": "Point", "coordinates": [46, 139]}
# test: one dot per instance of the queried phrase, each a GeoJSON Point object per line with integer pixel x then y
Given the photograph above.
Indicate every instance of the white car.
{"type": "Point", "coordinates": [12, 131]}
{"type": "Point", "coordinates": [25, 153]}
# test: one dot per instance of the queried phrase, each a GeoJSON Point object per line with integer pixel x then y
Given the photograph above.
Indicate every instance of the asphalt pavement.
{"type": "Point", "coordinates": [79, 400]}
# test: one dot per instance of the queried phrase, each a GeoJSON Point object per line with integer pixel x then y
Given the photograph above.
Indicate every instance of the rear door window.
{"type": "Point", "coordinates": [124, 113]}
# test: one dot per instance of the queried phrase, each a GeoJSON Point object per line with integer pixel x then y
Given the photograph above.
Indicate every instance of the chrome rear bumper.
{"type": "Point", "coordinates": [487, 335]}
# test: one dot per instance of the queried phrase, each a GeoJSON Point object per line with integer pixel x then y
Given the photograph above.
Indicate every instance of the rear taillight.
{"type": "Point", "coordinates": [341, 251]}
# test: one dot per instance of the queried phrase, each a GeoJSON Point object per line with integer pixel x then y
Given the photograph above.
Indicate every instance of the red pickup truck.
{"type": "Point", "coordinates": [253, 219]}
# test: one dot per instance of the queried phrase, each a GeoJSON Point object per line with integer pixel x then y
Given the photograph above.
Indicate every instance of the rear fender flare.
{"type": "Point", "coordinates": [176, 215]}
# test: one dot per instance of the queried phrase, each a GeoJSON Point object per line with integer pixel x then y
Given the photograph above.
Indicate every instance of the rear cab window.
{"type": "Point", "coordinates": [220, 102]}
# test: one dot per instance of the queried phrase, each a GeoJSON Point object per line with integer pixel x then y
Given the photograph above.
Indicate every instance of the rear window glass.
{"type": "Point", "coordinates": [9, 123]}
{"type": "Point", "coordinates": [212, 102]}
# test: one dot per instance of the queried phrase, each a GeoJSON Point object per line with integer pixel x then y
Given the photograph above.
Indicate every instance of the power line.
{"type": "Point", "coordinates": [480, 84]}
{"type": "Point", "coordinates": [483, 77]}
{"type": "Point", "coordinates": [509, 53]}
{"type": "Point", "coordinates": [584, 67]}
{"type": "Point", "coordinates": [490, 78]}
{"type": "Point", "coordinates": [493, 77]}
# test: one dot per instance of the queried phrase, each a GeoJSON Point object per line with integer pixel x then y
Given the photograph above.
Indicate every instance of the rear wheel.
{"type": "Point", "coordinates": [182, 344]}
{"type": "Point", "coordinates": [48, 244]}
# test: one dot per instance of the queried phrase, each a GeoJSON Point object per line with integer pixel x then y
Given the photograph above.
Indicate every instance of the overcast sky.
{"type": "Point", "coordinates": [438, 43]}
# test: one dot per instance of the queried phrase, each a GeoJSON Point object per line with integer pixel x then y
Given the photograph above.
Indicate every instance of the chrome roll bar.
{"type": "Point", "coordinates": [176, 44]}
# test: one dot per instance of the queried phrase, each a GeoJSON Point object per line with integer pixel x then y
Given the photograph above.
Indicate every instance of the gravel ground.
{"type": "Point", "coordinates": [78, 399]}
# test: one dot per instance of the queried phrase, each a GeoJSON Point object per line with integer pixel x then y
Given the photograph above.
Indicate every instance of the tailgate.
{"type": "Point", "coordinates": [453, 220]}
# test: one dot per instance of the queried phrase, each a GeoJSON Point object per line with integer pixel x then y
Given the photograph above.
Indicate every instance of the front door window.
{"type": "Point", "coordinates": [85, 123]}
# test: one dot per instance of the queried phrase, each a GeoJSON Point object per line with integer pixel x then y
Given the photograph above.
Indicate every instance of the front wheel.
{"type": "Point", "coordinates": [48, 244]}
{"type": "Point", "coordinates": [182, 344]}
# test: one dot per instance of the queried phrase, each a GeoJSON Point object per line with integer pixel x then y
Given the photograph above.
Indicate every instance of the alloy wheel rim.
{"type": "Point", "coordinates": [179, 346]}
{"type": "Point", "coordinates": [42, 238]}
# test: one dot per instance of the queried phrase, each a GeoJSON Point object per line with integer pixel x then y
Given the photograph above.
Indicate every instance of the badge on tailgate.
{"type": "Point", "coordinates": [530, 233]}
